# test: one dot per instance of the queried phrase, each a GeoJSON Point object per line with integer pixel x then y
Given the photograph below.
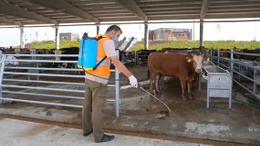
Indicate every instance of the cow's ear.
{"type": "Point", "coordinates": [62, 52]}
{"type": "Point", "coordinates": [206, 59]}
{"type": "Point", "coordinates": [189, 59]}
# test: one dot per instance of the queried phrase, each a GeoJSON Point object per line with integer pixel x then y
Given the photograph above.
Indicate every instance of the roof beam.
{"type": "Point", "coordinates": [65, 7]}
{"type": "Point", "coordinates": [9, 21]}
{"type": "Point", "coordinates": [9, 9]}
{"type": "Point", "coordinates": [133, 8]}
{"type": "Point", "coordinates": [204, 8]}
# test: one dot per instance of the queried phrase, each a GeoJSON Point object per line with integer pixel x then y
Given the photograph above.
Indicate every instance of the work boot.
{"type": "Point", "coordinates": [87, 134]}
{"type": "Point", "coordinates": [106, 138]}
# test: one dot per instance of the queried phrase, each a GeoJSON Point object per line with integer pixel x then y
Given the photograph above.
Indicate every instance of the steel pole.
{"type": "Point", "coordinates": [21, 37]}
{"type": "Point", "coordinates": [57, 38]}
{"type": "Point", "coordinates": [146, 36]}
{"type": "Point", "coordinates": [254, 89]}
{"type": "Point", "coordinates": [218, 57]}
{"type": "Point", "coordinates": [117, 89]}
{"type": "Point", "coordinates": [2, 63]}
{"type": "Point", "coordinates": [211, 56]}
{"type": "Point", "coordinates": [201, 32]}
{"type": "Point", "coordinates": [231, 65]}
{"type": "Point", "coordinates": [98, 28]}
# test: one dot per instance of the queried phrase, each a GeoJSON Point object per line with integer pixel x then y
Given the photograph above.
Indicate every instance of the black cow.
{"type": "Point", "coordinates": [73, 50]}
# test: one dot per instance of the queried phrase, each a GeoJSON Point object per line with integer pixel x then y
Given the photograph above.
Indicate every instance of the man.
{"type": "Point", "coordinates": [96, 84]}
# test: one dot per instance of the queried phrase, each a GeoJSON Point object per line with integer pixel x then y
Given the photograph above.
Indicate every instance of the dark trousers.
{"type": "Point", "coordinates": [94, 103]}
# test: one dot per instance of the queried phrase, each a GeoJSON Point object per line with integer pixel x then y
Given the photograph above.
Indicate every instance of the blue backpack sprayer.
{"type": "Point", "coordinates": [88, 53]}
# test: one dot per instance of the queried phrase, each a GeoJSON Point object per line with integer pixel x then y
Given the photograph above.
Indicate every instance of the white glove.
{"type": "Point", "coordinates": [133, 81]}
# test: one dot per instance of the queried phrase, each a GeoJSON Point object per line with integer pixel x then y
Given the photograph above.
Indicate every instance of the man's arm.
{"type": "Point", "coordinates": [120, 66]}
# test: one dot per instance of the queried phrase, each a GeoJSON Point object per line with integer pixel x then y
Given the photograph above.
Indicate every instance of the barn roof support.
{"type": "Point", "coordinates": [146, 38]}
{"type": "Point", "coordinates": [57, 38]}
{"type": "Point", "coordinates": [21, 37]}
{"type": "Point", "coordinates": [201, 32]}
{"type": "Point", "coordinates": [65, 7]}
{"type": "Point", "coordinates": [9, 21]}
{"type": "Point", "coordinates": [204, 8]}
{"type": "Point", "coordinates": [131, 6]}
{"type": "Point", "coordinates": [9, 9]}
{"type": "Point", "coordinates": [98, 28]}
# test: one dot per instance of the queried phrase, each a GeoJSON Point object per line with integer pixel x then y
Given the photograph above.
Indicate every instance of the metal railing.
{"type": "Point", "coordinates": [240, 67]}
{"type": "Point", "coordinates": [14, 83]}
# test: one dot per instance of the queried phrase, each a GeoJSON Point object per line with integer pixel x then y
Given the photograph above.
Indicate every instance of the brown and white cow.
{"type": "Point", "coordinates": [183, 66]}
{"type": "Point", "coordinates": [73, 50]}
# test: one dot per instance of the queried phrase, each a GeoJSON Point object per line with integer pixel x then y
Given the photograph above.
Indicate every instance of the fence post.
{"type": "Point", "coordinates": [2, 63]}
{"type": "Point", "coordinates": [231, 65]}
{"type": "Point", "coordinates": [37, 63]}
{"type": "Point", "coordinates": [239, 70]}
{"type": "Point", "coordinates": [218, 57]}
{"type": "Point", "coordinates": [135, 57]}
{"type": "Point", "coordinates": [211, 56]}
{"type": "Point", "coordinates": [117, 89]}
{"type": "Point", "coordinates": [254, 88]}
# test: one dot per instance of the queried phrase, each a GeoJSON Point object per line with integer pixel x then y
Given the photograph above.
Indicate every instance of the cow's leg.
{"type": "Point", "coordinates": [189, 89]}
{"type": "Point", "coordinates": [183, 87]}
{"type": "Point", "coordinates": [157, 83]}
{"type": "Point", "coordinates": [152, 75]}
{"type": "Point", "coordinates": [76, 67]}
{"type": "Point", "coordinates": [166, 79]}
{"type": "Point", "coordinates": [64, 65]}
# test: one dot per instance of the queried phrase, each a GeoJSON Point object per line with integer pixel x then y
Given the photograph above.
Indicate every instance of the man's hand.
{"type": "Point", "coordinates": [133, 81]}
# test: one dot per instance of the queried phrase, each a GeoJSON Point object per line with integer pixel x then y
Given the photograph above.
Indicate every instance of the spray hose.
{"type": "Point", "coordinates": [237, 90]}
{"type": "Point", "coordinates": [139, 85]}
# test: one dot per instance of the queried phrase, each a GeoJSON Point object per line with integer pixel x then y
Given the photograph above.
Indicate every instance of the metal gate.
{"type": "Point", "coordinates": [34, 68]}
{"type": "Point", "coordinates": [239, 67]}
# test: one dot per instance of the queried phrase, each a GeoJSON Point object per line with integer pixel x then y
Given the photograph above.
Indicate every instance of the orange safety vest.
{"type": "Point", "coordinates": [103, 69]}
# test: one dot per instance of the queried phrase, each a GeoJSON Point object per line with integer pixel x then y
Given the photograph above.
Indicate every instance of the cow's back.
{"type": "Point", "coordinates": [170, 64]}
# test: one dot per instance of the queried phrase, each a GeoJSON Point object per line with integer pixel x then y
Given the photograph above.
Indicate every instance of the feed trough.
{"type": "Point", "coordinates": [219, 81]}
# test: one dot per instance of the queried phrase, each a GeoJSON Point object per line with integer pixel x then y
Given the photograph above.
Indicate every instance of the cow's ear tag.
{"type": "Point", "coordinates": [189, 60]}
{"type": "Point", "coordinates": [208, 59]}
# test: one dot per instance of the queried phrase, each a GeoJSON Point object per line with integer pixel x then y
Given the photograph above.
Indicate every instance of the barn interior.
{"type": "Point", "coordinates": [139, 112]}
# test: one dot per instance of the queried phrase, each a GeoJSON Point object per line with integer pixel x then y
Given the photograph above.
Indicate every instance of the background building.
{"type": "Point", "coordinates": [170, 34]}
{"type": "Point", "coordinates": [69, 36]}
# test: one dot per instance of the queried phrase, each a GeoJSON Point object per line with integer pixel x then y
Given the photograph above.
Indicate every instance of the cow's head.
{"type": "Point", "coordinates": [58, 52]}
{"type": "Point", "coordinates": [197, 61]}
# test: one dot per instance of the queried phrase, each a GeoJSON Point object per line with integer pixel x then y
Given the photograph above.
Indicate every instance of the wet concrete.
{"type": "Point", "coordinates": [30, 133]}
{"type": "Point", "coordinates": [141, 113]}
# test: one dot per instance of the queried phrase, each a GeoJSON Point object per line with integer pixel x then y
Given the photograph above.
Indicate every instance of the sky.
{"type": "Point", "coordinates": [239, 31]}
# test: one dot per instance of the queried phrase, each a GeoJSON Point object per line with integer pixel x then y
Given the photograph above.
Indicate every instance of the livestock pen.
{"type": "Point", "coordinates": [249, 70]}
{"type": "Point", "coordinates": [34, 87]}
{"type": "Point", "coordinates": [138, 112]}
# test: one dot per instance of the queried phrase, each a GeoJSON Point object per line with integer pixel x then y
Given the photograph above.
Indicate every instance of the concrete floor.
{"type": "Point", "coordinates": [24, 133]}
{"type": "Point", "coordinates": [141, 113]}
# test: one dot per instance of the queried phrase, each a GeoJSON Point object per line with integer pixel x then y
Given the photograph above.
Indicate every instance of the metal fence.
{"type": "Point", "coordinates": [248, 69]}
{"type": "Point", "coordinates": [134, 57]}
{"type": "Point", "coordinates": [13, 85]}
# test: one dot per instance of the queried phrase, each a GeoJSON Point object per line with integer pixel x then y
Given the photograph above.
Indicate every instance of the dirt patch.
{"type": "Point", "coordinates": [36, 130]}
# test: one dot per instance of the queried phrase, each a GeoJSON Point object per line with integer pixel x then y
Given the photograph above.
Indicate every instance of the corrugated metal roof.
{"type": "Point", "coordinates": [22, 12]}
